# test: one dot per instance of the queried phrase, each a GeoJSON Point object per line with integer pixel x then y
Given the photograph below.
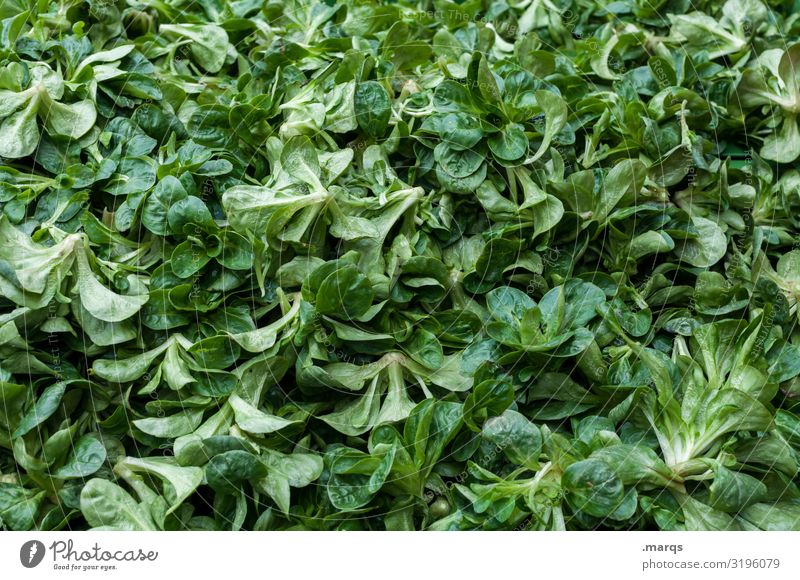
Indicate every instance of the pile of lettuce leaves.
{"type": "Point", "coordinates": [436, 265]}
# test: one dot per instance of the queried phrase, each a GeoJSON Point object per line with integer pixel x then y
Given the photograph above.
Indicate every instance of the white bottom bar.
{"type": "Point", "coordinates": [428, 555]}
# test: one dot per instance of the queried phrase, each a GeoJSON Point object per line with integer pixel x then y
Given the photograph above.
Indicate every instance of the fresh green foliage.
{"type": "Point", "coordinates": [338, 265]}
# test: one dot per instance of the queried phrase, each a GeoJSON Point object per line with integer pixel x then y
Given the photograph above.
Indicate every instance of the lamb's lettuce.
{"type": "Point", "coordinates": [304, 264]}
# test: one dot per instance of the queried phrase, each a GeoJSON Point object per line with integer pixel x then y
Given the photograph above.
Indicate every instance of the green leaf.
{"type": "Point", "coordinates": [72, 120]}
{"type": "Point", "coordinates": [509, 144]}
{"type": "Point", "coordinates": [518, 438]}
{"type": "Point", "coordinates": [43, 409]}
{"type": "Point", "coordinates": [187, 212]}
{"type": "Point", "coordinates": [555, 112]}
{"type": "Point", "coordinates": [708, 248]}
{"type": "Point", "coordinates": [87, 457]}
{"type": "Point", "coordinates": [19, 506]}
{"type": "Point", "coordinates": [300, 159]}
{"type": "Point", "coordinates": [183, 481]}
{"type": "Point", "coordinates": [107, 506]}
{"type": "Point", "coordinates": [19, 133]}
{"type": "Point", "coordinates": [372, 107]}
{"type": "Point", "coordinates": [167, 192]}
{"type": "Point", "coordinates": [593, 488]}
{"type": "Point", "coordinates": [122, 370]}
{"type": "Point", "coordinates": [227, 470]}
{"type": "Point", "coordinates": [101, 302]}
{"type": "Point", "coordinates": [345, 293]}
{"type": "Point", "coordinates": [780, 516]}
{"type": "Point", "coordinates": [359, 416]}
{"type": "Point", "coordinates": [286, 471]}
{"type": "Point", "coordinates": [356, 477]}
{"type": "Point", "coordinates": [171, 426]}
{"type": "Point", "coordinates": [208, 43]}
{"type": "Point", "coordinates": [425, 348]}
{"type": "Point", "coordinates": [252, 420]}
{"type": "Point", "coordinates": [624, 180]}
{"type": "Point", "coordinates": [733, 491]}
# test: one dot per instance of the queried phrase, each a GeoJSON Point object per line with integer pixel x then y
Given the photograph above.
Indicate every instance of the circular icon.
{"type": "Point", "coordinates": [31, 553]}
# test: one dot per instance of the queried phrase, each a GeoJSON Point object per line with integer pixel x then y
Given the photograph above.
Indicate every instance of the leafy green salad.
{"type": "Point", "coordinates": [398, 265]}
